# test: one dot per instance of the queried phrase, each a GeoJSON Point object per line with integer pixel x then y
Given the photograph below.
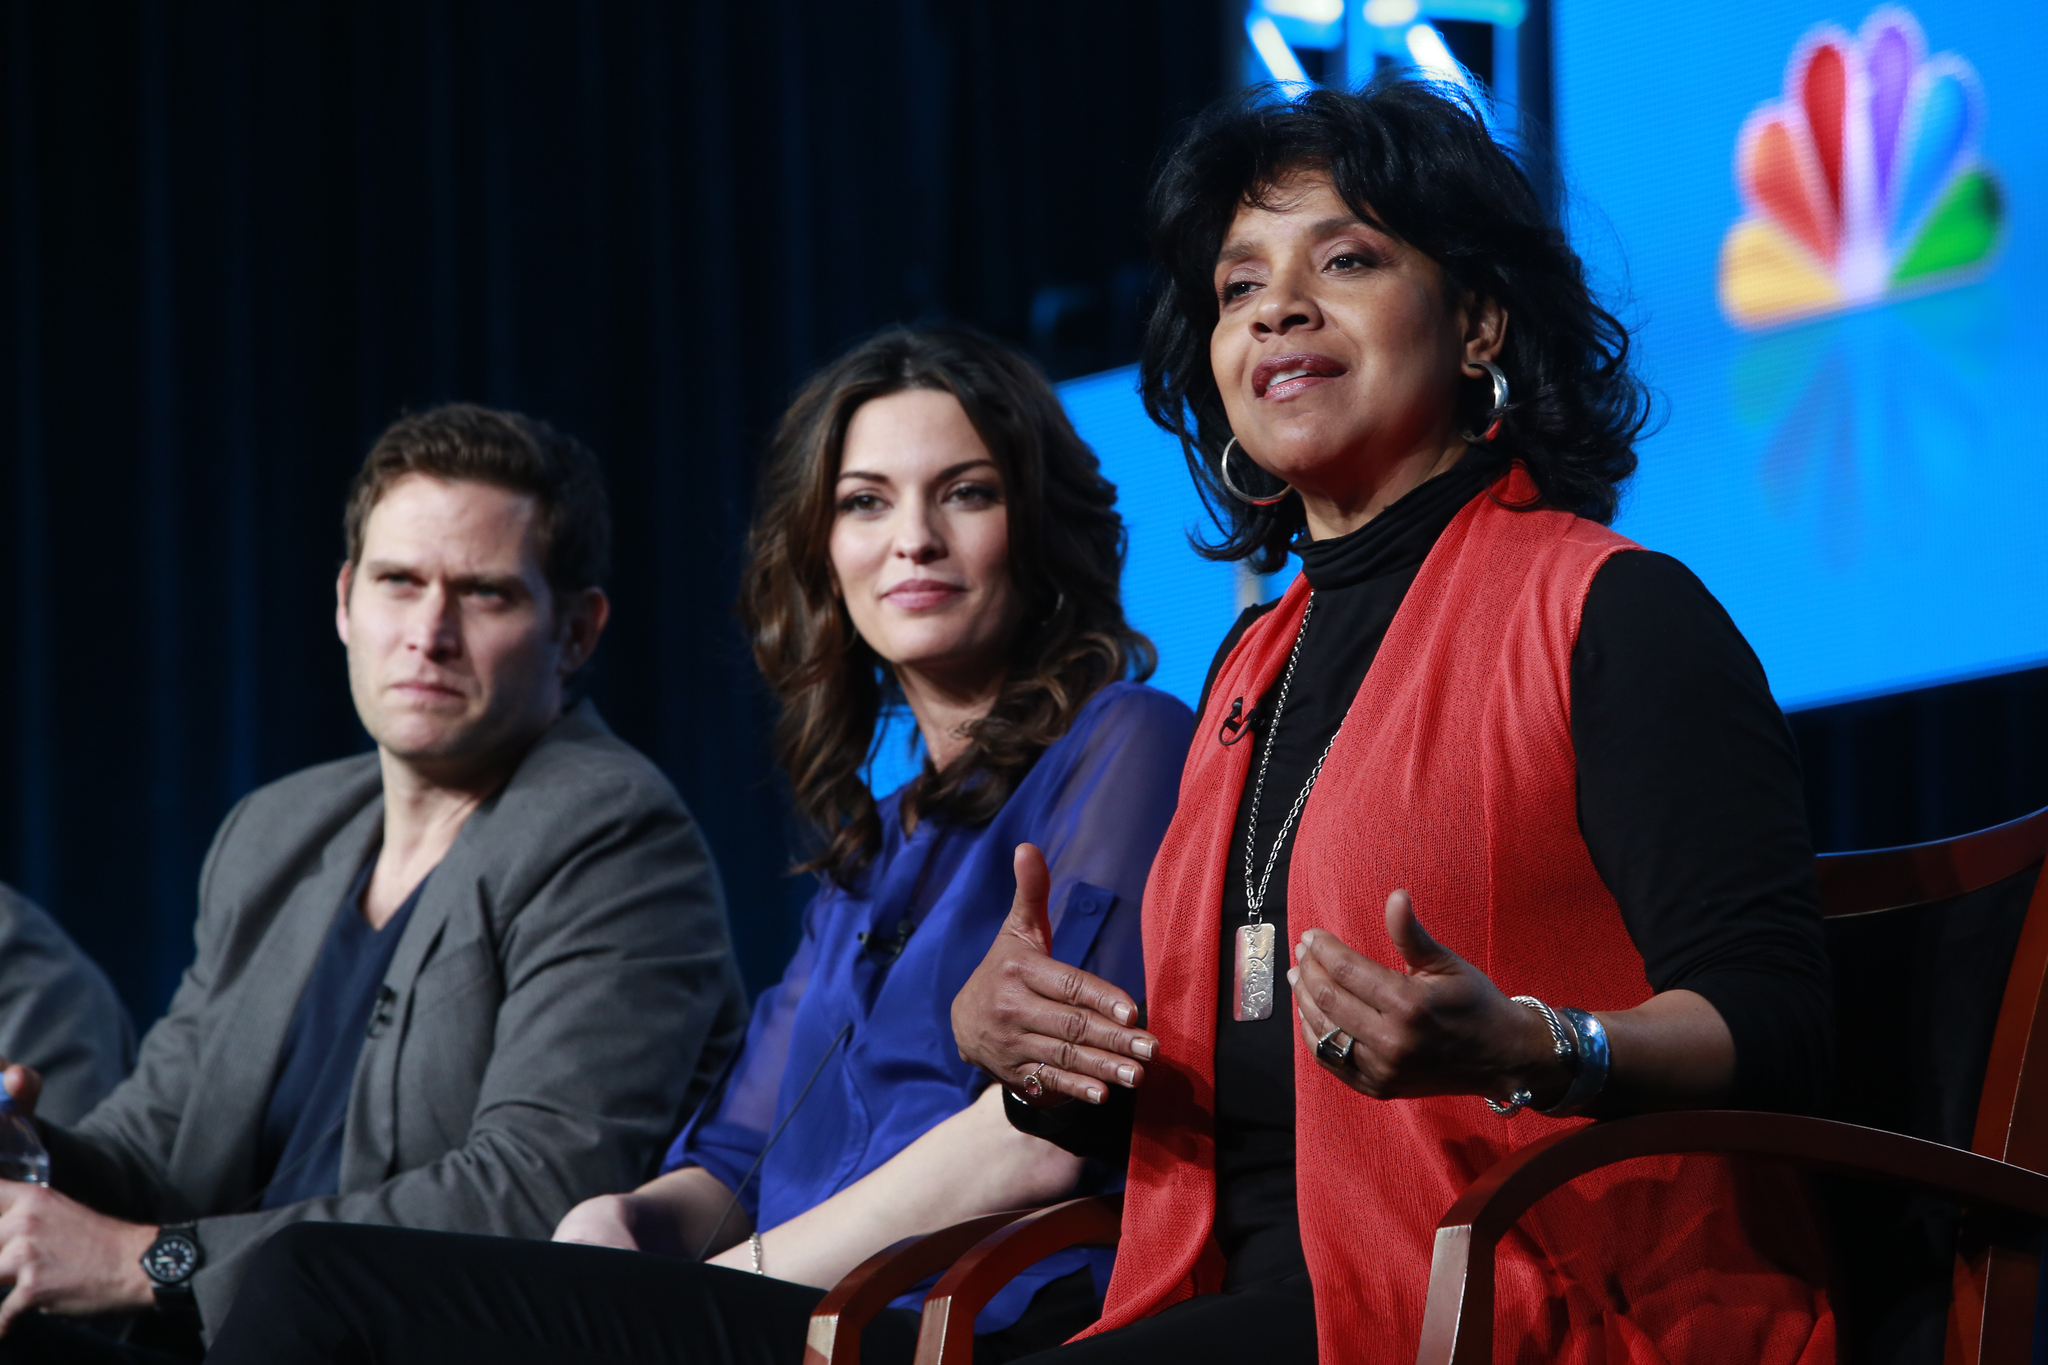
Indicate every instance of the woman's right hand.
{"type": "Point", "coordinates": [606, 1221]}
{"type": "Point", "coordinates": [1026, 1013]}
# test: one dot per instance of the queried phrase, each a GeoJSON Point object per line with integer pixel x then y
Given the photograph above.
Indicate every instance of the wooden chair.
{"type": "Point", "coordinates": [1980, 898]}
{"type": "Point", "coordinates": [984, 1255]}
{"type": "Point", "coordinates": [836, 1323]}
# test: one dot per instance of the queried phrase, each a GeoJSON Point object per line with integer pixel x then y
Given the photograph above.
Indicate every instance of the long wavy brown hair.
{"type": "Point", "coordinates": [1066, 559]}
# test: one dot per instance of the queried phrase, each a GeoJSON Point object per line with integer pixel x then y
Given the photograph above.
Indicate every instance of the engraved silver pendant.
{"type": "Point", "coordinates": [1255, 964]}
{"type": "Point", "coordinates": [1254, 973]}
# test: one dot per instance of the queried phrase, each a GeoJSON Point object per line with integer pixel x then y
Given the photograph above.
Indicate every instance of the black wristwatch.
{"type": "Point", "coordinates": [171, 1261]}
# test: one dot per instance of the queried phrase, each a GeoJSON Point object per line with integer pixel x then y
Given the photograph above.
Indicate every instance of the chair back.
{"type": "Point", "coordinates": [1940, 953]}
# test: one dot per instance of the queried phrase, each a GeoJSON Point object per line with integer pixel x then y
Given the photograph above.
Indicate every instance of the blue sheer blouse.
{"type": "Point", "coordinates": [881, 962]}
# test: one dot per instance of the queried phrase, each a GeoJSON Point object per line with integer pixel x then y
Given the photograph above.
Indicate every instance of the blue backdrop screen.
{"type": "Point", "coordinates": [1827, 224]}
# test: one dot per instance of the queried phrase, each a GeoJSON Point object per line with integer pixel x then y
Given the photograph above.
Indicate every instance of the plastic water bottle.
{"type": "Point", "coordinates": [21, 1152]}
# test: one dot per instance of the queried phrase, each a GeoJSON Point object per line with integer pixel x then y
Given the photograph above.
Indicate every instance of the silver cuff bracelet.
{"type": "Point", "coordinates": [1589, 1076]}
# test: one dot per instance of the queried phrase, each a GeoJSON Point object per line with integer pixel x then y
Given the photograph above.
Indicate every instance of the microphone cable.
{"type": "Point", "coordinates": [845, 1032]}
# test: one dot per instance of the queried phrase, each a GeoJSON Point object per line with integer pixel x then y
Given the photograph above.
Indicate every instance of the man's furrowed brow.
{"type": "Point", "coordinates": [508, 584]}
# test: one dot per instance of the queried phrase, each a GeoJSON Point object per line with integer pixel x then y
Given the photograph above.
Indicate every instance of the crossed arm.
{"type": "Point", "coordinates": [970, 1164]}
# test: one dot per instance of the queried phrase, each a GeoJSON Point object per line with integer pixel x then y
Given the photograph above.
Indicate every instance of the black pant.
{"type": "Point", "coordinates": [1272, 1323]}
{"type": "Point", "coordinates": [145, 1339]}
{"type": "Point", "coordinates": [335, 1293]}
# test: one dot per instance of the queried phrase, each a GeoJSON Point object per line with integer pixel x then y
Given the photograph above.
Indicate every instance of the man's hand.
{"type": "Point", "coordinates": [23, 1086]}
{"type": "Point", "coordinates": [61, 1257]}
{"type": "Point", "coordinates": [1025, 1014]}
{"type": "Point", "coordinates": [606, 1221]}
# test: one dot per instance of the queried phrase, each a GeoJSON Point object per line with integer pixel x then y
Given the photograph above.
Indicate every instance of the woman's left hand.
{"type": "Point", "coordinates": [1441, 1028]}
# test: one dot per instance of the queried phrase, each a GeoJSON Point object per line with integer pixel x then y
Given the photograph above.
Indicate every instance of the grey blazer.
{"type": "Point", "coordinates": [563, 994]}
{"type": "Point", "coordinates": [58, 1013]}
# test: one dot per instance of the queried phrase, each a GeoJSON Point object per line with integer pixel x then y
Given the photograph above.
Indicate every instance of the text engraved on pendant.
{"type": "Point", "coordinates": [1254, 972]}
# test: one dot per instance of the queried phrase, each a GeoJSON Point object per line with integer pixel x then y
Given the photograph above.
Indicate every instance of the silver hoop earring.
{"type": "Point", "coordinates": [1223, 473]}
{"type": "Point", "coordinates": [1499, 412]}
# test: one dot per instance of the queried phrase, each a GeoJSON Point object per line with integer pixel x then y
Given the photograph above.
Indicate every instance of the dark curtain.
{"type": "Point", "coordinates": [242, 235]}
{"type": "Point", "coordinates": [1924, 765]}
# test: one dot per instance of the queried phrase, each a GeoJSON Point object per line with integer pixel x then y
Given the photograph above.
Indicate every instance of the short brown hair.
{"type": "Point", "coordinates": [508, 450]}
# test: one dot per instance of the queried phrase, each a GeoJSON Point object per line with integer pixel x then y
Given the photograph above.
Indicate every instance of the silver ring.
{"type": "Point", "coordinates": [1223, 473]}
{"type": "Point", "coordinates": [1335, 1056]}
{"type": "Point", "coordinates": [1033, 1087]}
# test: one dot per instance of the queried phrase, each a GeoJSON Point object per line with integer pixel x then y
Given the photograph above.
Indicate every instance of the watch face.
{"type": "Point", "coordinates": [171, 1259]}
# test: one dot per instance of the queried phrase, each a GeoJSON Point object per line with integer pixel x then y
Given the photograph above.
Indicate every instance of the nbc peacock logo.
{"type": "Point", "coordinates": [1863, 182]}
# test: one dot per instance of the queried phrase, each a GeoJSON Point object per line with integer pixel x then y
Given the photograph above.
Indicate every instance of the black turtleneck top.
{"type": "Point", "coordinates": [1689, 800]}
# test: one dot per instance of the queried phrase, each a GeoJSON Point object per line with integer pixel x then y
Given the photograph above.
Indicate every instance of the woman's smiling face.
{"type": "Point", "coordinates": [1336, 350]}
{"type": "Point", "coordinates": [921, 538]}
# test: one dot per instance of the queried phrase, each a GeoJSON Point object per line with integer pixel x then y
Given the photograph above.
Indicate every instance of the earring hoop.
{"type": "Point", "coordinates": [1498, 414]}
{"type": "Point", "coordinates": [1223, 473]}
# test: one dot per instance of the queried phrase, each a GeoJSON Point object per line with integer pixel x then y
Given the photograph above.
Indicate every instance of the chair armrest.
{"type": "Point", "coordinates": [1916, 874]}
{"type": "Point", "coordinates": [837, 1321]}
{"type": "Point", "coordinates": [1457, 1323]}
{"type": "Point", "coordinates": [946, 1337]}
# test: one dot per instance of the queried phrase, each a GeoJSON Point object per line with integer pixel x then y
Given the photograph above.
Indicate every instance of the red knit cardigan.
{"type": "Point", "coordinates": [1453, 776]}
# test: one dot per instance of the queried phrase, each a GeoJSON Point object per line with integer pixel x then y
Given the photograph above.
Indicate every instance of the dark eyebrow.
{"type": "Point", "coordinates": [1235, 251]}
{"type": "Point", "coordinates": [1350, 222]}
{"type": "Point", "coordinates": [510, 584]}
{"type": "Point", "coordinates": [949, 472]}
{"type": "Point", "coordinates": [1328, 227]}
{"type": "Point", "coordinates": [505, 583]}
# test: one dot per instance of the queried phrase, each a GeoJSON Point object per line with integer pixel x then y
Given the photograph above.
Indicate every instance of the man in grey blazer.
{"type": "Point", "coordinates": [58, 1012]}
{"type": "Point", "coordinates": [462, 983]}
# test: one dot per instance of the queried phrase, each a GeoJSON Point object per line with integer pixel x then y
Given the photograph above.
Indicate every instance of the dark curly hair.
{"type": "Point", "coordinates": [1415, 160]}
{"type": "Point", "coordinates": [1066, 561]}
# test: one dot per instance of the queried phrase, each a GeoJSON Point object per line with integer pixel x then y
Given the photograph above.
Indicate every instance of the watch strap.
{"type": "Point", "coordinates": [173, 1294]}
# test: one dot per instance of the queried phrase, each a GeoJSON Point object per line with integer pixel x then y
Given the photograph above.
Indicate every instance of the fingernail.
{"type": "Point", "coordinates": [1127, 1074]}
{"type": "Point", "coordinates": [1122, 1012]}
{"type": "Point", "coordinates": [1094, 1095]}
{"type": "Point", "coordinates": [1308, 940]}
{"type": "Point", "coordinates": [1144, 1047]}
{"type": "Point", "coordinates": [1292, 972]}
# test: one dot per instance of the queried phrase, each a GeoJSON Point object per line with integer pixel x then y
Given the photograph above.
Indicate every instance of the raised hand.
{"type": "Point", "coordinates": [1440, 1028]}
{"type": "Point", "coordinates": [1033, 1022]}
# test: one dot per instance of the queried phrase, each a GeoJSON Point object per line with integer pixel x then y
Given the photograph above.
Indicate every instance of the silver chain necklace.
{"type": "Point", "coordinates": [1255, 957]}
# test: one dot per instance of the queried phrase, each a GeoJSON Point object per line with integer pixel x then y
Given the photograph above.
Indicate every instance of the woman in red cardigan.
{"type": "Point", "coordinates": [1490, 825]}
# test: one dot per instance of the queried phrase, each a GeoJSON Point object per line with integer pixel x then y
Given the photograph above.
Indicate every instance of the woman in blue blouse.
{"type": "Point", "coordinates": [931, 529]}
